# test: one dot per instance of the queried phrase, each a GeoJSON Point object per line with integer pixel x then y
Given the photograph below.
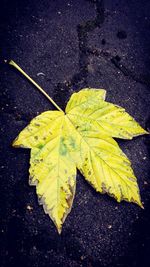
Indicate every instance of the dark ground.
{"type": "Point", "coordinates": [74, 44]}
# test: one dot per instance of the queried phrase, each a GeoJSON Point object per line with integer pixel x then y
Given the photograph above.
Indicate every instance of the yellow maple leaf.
{"type": "Point", "coordinates": [80, 138]}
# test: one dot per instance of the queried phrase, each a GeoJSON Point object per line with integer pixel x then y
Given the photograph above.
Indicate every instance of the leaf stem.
{"type": "Point", "coordinates": [11, 62]}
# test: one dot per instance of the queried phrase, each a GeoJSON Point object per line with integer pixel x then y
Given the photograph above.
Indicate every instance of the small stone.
{"type": "Point", "coordinates": [109, 226]}
{"type": "Point", "coordinates": [30, 208]}
{"type": "Point", "coordinates": [13, 211]}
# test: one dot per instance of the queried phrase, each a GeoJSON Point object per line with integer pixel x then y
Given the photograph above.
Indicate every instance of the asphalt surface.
{"type": "Point", "coordinates": [66, 46]}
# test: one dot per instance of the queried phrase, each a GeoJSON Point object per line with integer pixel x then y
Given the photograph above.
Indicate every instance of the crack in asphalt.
{"type": "Point", "coordinates": [83, 30]}
{"type": "Point", "coordinates": [79, 79]}
{"type": "Point", "coordinates": [116, 61]}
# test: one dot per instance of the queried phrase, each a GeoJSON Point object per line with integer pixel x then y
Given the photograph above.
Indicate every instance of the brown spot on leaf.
{"type": "Point", "coordinates": [69, 200]}
{"type": "Point", "coordinates": [104, 188]}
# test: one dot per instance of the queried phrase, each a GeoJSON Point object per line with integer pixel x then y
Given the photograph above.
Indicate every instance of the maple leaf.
{"type": "Point", "coordinates": [80, 138]}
